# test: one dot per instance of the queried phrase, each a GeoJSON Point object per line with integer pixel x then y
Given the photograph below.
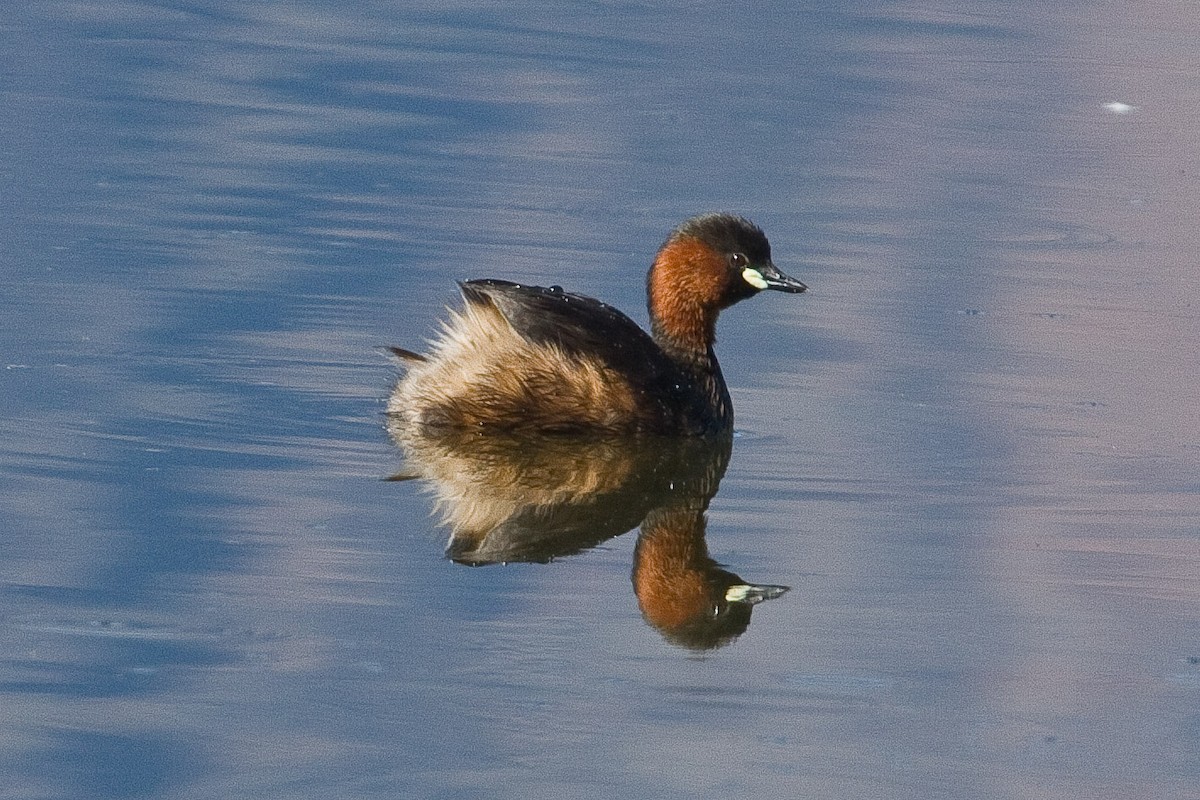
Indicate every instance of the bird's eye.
{"type": "Point", "coordinates": [739, 261]}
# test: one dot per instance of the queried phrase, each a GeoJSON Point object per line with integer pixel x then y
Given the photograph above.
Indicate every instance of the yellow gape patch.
{"type": "Point", "coordinates": [754, 278]}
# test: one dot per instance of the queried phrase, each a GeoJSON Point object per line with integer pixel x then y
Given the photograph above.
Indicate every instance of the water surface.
{"type": "Point", "coordinates": [971, 451]}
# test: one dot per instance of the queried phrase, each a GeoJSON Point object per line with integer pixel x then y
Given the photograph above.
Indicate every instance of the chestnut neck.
{"type": "Point", "coordinates": [683, 291]}
{"type": "Point", "coordinates": [670, 560]}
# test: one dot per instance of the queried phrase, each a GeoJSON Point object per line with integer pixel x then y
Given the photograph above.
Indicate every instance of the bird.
{"type": "Point", "coordinates": [518, 358]}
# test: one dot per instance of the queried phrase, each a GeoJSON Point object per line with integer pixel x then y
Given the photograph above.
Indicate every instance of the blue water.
{"type": "Point", "coordinates": [971, 451]}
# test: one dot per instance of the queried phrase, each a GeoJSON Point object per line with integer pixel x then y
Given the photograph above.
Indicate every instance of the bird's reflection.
{"type": "Point", "coordinates": [527, 498]}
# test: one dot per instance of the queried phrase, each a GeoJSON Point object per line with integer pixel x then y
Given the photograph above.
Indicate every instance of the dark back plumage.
{"type": "Point", "coordinates": [584, 328]}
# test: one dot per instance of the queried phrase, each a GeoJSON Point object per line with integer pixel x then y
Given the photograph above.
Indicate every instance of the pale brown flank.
{"type": "Point", "coordinates": [686, 285]}
{"type": "Point", "coordinates": [482, 370]}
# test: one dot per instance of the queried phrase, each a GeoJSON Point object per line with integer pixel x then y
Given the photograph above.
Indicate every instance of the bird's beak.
{"type": "Point", "coordinates": [752, 594]}
{"type": "Point", "coordinates": [776, 280]}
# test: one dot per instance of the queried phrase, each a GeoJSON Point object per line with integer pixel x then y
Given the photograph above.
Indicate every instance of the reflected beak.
{"type": "Point", "coordinates": [749, 593]}
{"type": "Point", "coordinates": [778, 281]}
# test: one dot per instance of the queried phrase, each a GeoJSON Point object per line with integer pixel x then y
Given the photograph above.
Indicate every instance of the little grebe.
{"type": "Point", "coordinates": [529, 358]}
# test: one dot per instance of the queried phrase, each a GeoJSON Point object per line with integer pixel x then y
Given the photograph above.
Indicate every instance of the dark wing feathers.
{"type": "Point", "coordinates": [578, 325]}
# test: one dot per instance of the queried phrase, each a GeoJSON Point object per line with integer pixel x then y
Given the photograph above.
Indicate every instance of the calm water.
{"type": "Point", "coordinates": [972, 451]}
